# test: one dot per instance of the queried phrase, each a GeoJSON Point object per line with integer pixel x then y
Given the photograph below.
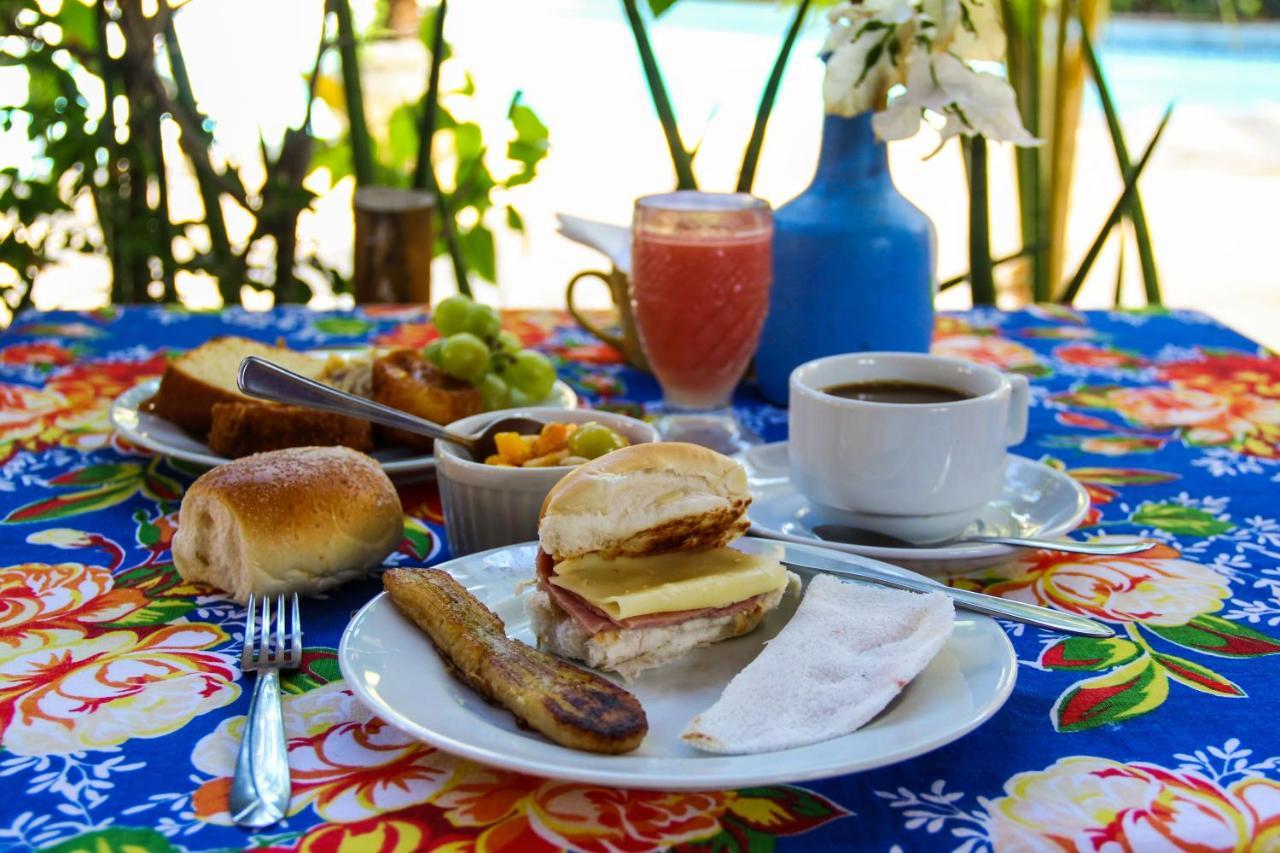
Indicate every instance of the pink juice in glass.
{"type": "Point", "coordinates": [700, 299]}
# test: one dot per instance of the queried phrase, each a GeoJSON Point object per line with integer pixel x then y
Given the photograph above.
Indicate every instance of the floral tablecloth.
{"type": "Point", "coordinates": [121, 699]}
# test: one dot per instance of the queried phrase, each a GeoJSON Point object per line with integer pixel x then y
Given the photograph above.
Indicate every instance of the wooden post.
{"type": "Point", "coordinates": [395, 236]}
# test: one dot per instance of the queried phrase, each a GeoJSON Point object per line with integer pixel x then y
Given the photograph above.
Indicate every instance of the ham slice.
{"type": "Point", "coordinates": [594, 620]}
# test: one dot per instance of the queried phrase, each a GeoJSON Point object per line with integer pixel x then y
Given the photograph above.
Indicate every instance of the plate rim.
{"type": "Point", "coordinates": [125, 402]}
{"type": "Point", "coordinates": [973, 551]}
{"type": "Point", "coordinates": [678, 778]}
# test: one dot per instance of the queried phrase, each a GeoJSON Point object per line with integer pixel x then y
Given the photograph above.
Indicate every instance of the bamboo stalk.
{"type": "Point", "coordinates": [1059, 150]}
{"type": "Point", "coordinates": [1023, 64]}
{"type": "Point", "coordinates": [680, 158]}
{"type": "Point", "coordinates": [1130, 181]}
{"type": "Point", "coordinates": [430, 103]}
{"type": "Point", "coordinates": [358, 126]}
{"type": "Point", "coordinates": [1117, 296]}
{"type": "Point", "coordinates": [982, 285]}
{"type": "Point", "coordinates": [1135, 212]}
{"type": "Point", "coordinates": [747, 175]}
{"type": "Point", "coordinates": [957, 280]}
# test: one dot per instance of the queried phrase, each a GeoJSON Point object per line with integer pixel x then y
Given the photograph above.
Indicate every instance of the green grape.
{"type": "Point", "coordinates": [521, 400]}
{"type": "Point", "coordinates": [451, 315]}
{"type": "Point", "coordinates": [509, 343]}
{"type": "Point", "coordinates": [482, 321]}
{"type": "Point", "coordinates": [494, 392]}
{"type": "Point", "coordinates": [434, 352]}
{"type": "Point", "coordinates": [593, 439]}
{"type": "Point", "coordinates": [532, 373]}
{"type": "Point", "coordinates": [465, 356]}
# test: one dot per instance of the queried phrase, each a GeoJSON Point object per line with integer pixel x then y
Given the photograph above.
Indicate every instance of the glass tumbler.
{"type": "Point", "coordinates": [701, 267]}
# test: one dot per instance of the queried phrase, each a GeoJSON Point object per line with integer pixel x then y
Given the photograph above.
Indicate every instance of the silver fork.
{"type": "Point", "coordinates": [260, 789]}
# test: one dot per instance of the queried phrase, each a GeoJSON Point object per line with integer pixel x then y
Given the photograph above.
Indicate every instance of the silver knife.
{"type": "Point", "coordinates": [873, 571]}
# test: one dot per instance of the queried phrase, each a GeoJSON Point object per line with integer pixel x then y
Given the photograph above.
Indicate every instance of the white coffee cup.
{"type": "Point", "coordinates": [918, 471]}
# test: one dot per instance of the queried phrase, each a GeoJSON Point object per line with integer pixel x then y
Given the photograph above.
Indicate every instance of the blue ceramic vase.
{"type": "Point", "coordinates": [853, 262]}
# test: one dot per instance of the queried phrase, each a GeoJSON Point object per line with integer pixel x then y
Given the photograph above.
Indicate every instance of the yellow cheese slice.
{"type": "Point", "coordinates": [664, 583]}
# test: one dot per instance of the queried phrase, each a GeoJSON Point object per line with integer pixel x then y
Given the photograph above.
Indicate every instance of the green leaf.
{"type": "Point", "coordinates": [319, 667]}
{"type": "Point", "coordinates": [418, 540]}
{"type": "Point", "coordinates": [1197, 676]}
{"type": "Point", "coordinates": [1134, 689]}
{"type": "Point", "coordinates": [117, 839]}
{"type": "Point", "coordinates": [1089, 654]}
{"type": "Point", "coordinates": [64, 506]}
{"type": "Point", "coordinates": [1180, 520]}
{"type": "Point", "coordinates": [345, 327]}
{"type": "Point", "coordinates": [1214, 635]}
{"type": "Point", "coordinates": [660, 7]}
{"type": "Point", "coordinates": [478, 251]}
{"type": "Point", "coordinates": [96, 475]}
{"type": "Point", "coordinates": [402, 139]}
{"type": "Point", "coordinates": [782, 809]}
{"type": "Point", "coordinates": [514, 220]}
{"type": "Point", "coordinates": [159, 487]}
{"type": "Point", "coordinates": [1121, 476]}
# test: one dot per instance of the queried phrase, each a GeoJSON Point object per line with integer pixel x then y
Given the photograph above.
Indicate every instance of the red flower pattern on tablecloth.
{"type": "Point", "coordinates": [350, 767]}
{"type": "Point", "coordinates": [1221, 399]}
{"type": "Point", "coordinates": [39, 596]}
{"type": "Point", "coordinates": [37, 352]}
{"type": "Point", "coordinates": [1084, 803]}
{"type": "Point", "coordinates": [71, 410]}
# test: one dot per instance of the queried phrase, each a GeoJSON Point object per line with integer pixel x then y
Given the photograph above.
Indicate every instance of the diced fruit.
{"type": "Point", "coordinates": [552, 438]}
{"type": "Point", "coordinates": [450, 315]}
{"type": "Point", "coordinates": [512, 447]}
{"type": "Point", "coordinates": [594, 439]}
{"type": "Point", "coordinates": [547, 460]}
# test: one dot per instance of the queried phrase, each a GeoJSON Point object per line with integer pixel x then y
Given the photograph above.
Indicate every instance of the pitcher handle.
{"type": "Point", "coordinates": [612, 340]}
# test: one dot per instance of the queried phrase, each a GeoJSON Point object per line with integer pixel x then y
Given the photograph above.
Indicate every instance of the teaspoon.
{"type": "Point", "coordinates": [857, 536]}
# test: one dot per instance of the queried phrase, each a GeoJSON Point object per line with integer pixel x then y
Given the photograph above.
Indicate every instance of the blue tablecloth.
{"type": "Point", "coordinates": [121, 699]}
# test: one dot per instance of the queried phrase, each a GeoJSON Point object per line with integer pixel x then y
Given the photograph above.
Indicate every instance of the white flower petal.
{"type": "Point", "coordinates": [900, 120]}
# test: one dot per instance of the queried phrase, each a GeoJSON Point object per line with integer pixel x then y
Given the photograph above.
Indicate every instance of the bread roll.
{"type": "Point", "coordinates": [646, 499]}
{"type": "Point", "coordinates": [298, 520]}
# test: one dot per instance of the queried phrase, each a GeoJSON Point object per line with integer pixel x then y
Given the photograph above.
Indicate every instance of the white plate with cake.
{"type": "Point", "coordinates": [195, 412]}
{"type": "Point", "coordinates": [711, 665]}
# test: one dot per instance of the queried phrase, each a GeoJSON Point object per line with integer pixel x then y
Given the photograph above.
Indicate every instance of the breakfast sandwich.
{"type": "Point", "coordinates": [634, 568]}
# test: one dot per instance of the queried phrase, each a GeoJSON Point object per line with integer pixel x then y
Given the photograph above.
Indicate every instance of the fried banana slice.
{"type": "Point", "coordinates": [571, 706]}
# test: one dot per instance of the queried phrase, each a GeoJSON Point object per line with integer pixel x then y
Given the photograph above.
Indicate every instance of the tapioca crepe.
{"type": "Point", "coordinates": [847, 651]}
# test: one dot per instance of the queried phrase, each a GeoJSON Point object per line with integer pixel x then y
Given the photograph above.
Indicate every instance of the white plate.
{"type": "Point", "coordinates": [1038, 502]}
{"type": "Point", "coordinates": [394, 669]}
{"type": "Point", "coordinates": [155, 433]}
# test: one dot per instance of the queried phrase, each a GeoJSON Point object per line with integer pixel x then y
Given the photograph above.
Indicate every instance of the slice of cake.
{"type": "Point", "coordinates": [206, 375]}
{"type": "Point", "coordinates": [254, 426]}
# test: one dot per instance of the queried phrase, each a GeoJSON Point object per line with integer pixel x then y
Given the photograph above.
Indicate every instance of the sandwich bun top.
{"type": "Point", "coordinates": [646, 499]}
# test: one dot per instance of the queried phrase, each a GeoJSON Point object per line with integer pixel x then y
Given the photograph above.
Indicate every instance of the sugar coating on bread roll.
{"type": "Point", "coordinates": [646, 499]}
{"type": "Point", "coordinates": [298, 520]}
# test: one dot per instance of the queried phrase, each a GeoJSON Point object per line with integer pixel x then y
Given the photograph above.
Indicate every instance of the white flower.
{"type": "Point", "coordinates": [926, 44]}
{"type": "Point", "coordinates": [973, 102]}
{"type": "Point", "coordinates": [855, 80]}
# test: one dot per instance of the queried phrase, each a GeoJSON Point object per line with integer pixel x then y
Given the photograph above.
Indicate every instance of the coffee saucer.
{"type": "Point", "coordinates": [1036, 501]}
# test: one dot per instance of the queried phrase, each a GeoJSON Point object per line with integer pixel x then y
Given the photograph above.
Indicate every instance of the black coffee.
{"type": "Point", "coordinates": [897, 392]}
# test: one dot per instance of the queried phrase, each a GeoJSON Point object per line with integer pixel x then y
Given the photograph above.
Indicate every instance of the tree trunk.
{"type": "Point", "coordinates": [393, 246]}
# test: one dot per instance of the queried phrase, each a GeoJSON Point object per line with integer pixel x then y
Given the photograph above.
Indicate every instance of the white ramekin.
{"type": "Point", "coordinates": [486, 506]}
